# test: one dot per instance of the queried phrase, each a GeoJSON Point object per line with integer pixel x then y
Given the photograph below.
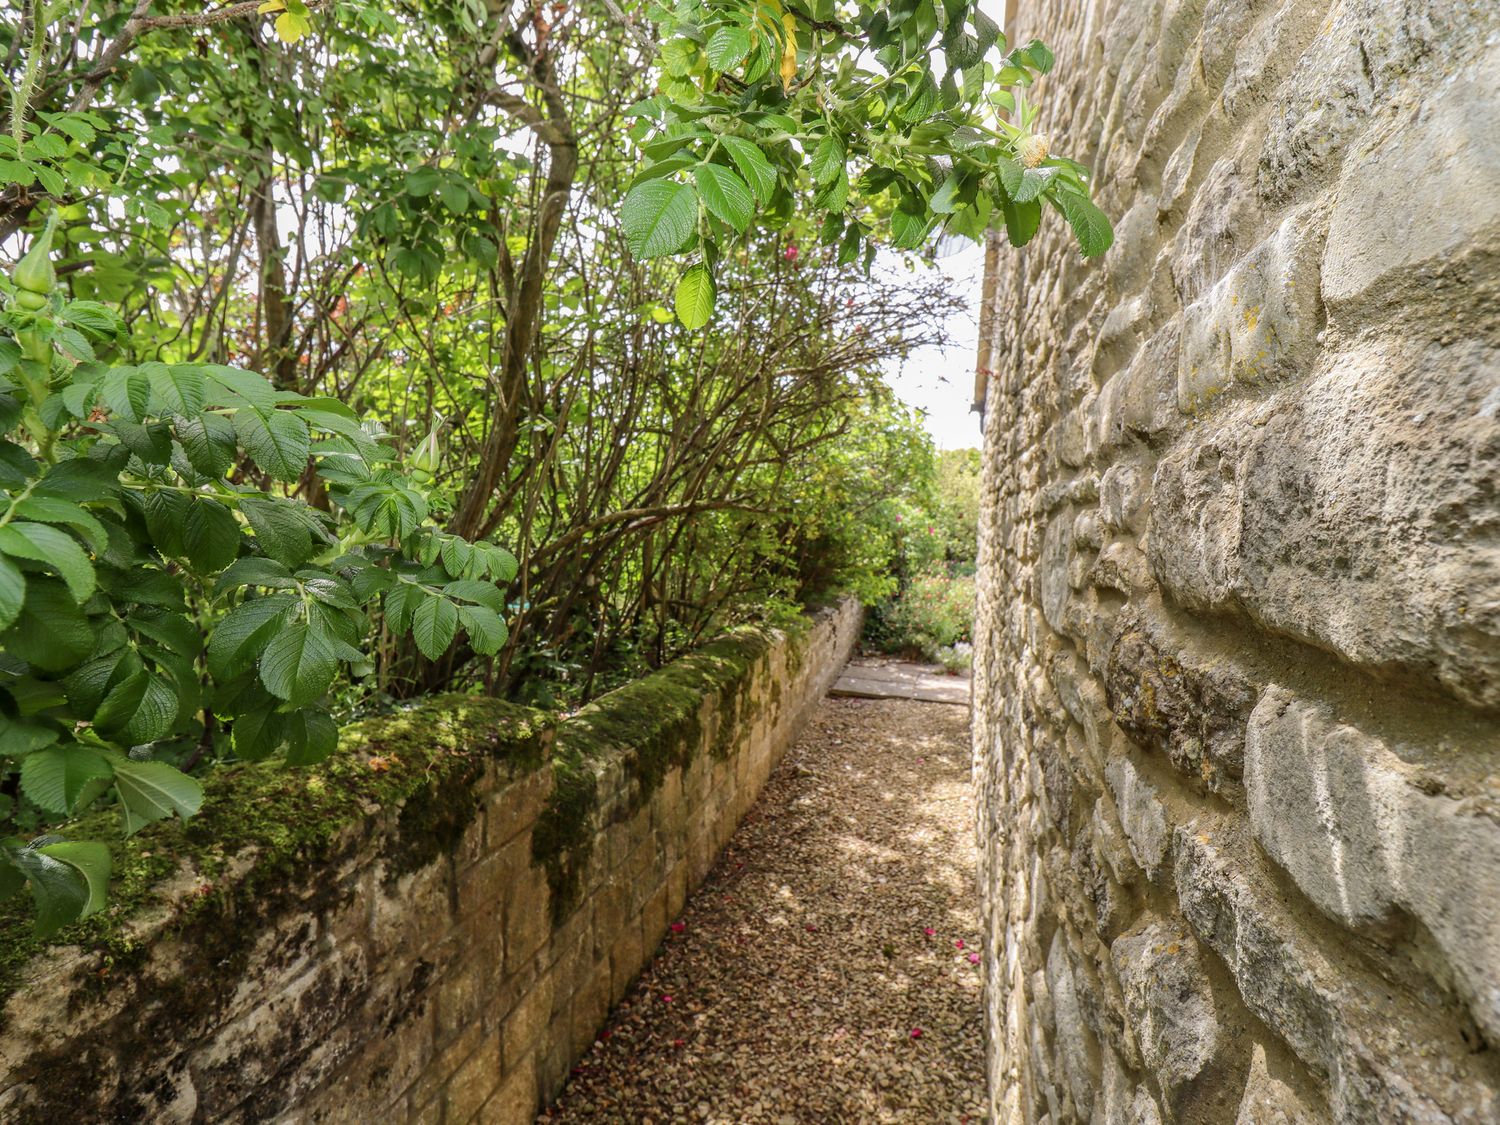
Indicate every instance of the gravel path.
{"type": "Point", "coordinates": [825, 972]}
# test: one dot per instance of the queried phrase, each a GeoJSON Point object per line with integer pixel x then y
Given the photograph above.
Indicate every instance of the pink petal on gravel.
{"type": "Point", "coordinates": [959, 944]}
{"type": "Point", "coordinates": [678, 927]}
{"type": "Point", "coordinates": [916, 1033]}
{"type": "Point", "coordinates": [666, 999]}
{"type": "Point", "coordinates": [973, 958]}
{"type": "Point", "coordinates": [928, 930]}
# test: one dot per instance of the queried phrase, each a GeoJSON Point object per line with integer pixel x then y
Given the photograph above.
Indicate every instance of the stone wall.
{"type": "Point", "coordinates": [430, 927]}
{"type": "Point", "coordinates": [1238, 662]}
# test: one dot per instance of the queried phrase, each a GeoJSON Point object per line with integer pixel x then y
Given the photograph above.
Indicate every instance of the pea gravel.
{"type": "Point", "coordinates": [800, 983]}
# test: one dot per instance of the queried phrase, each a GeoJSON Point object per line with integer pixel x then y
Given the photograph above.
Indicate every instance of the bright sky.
{"type": "Point", "coordinates": [939, 381]}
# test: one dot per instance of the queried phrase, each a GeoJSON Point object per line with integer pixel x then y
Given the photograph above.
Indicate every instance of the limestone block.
{"type": "Point", "coordinates": [1169, 1002]}
{"type": "Point", "coordinates": [1074, 1040]}
{"type": "Point", "coordinates": [1342, 512]}
{"type": "Point", "coordinates": [1270, 1100]}
{"type": "Point", "coordinates": [1142, 815]}
{"type": "Point", "coordinates": [1257, 324]}
{"type": "Point", "coordinates": [473, 1082]}
{"type": "Point", "coordinates": [515, 1103]}
{"type": "Point", "coordinates": [1422, 193]}
{"type": "Point", "coordinates": [1354, 1032]}
{"type": "Point", "coordinates": [1141, 401]}
{"type": "Point", "coordinates": [1223, 212]}
{"type": "Point", "coordinates": [1362, 834]}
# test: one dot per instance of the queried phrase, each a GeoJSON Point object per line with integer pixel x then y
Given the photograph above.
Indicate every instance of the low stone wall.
{"type": "Point", "coordinates": [1237, 665]}
{"type": "Point", "coordinates": [429, 927]}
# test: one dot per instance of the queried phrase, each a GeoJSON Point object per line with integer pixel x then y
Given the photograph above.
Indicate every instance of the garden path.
{"type": "Point", "coordinates": [827, 969]}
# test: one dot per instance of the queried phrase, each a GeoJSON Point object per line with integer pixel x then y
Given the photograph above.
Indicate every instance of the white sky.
{"type": "Point", "coordinates": [939, 381]}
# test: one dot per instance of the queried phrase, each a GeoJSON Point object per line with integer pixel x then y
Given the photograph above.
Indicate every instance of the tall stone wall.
{"type": "Point", "coordinates": [1238, 658]}
{"type": "Point", "coordinates": [429, 927]}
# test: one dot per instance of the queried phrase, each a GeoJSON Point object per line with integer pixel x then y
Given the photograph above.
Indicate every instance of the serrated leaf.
{"type": "Point", "coordinates": [658, 217]}
{"type": "Point", "coordinates": [481, 592]}
{"type": "Point", "coordinates": [298, 665]}
{"type": "Point", "coordinates": [49, 509]}
{"type": "Point", "coordinates": [151, 791]}
{"type": "Point", "coordinates": [694, 299]}
{"type": "Point", "coordinates": [51, 632]}
{"type": "Point", "coordinates": [280, 530]}
{"type": "Point", "coordinates": [178, 388]}
{"type": "Point", "coordinates": [1021, 220]}
{"type": "Point", "coordinates": [827, 160]}
{"type": "Point", "coordinates": [277, 440]}
{"type": "Point", "coordinates": [726, 196]}
{"type": "Point", "coordinates": [208, 442]}
{"type": "Point", "coordinates": [59, 890]}
{"type": "Point", "coordinates": [433, 626]}
{"type": "Point", "coordinates": [487, 630]}
{"type": "Point", "coordinates": [457, 554]}
{"type": "Point", "coordinates": [237, 639]}
{"type": "Point", "coordinates": [55, 778]}
{"type": "Point", "coordinates": [12, 593]}
{"type": "Point", "coordinates": [255, 571]}
{"type": "Point", "coordinates": [91, 860]}
{"type": "Point", "coordinates": [1089, 223]}
{"type": "Point", "coordinates": [908, 230]}
{"type": "Point", "coordinates": [727, 48]}
{"type": "Point", "coordinates": [210, 535]}
{"type": "Point", "coordinates": [1033, 182]}
{"type": "Point", "coordinates": [754, 167]}
{"type": "Point", "coordinates": [127, 392]}
{"type": "Point", "coordinates": [311, 736]}
{"type": "Point", "coordinates": [18, 737]}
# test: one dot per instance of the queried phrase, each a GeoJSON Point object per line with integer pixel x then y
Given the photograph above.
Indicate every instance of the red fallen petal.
{"type": "Point", "coordinates": [811, 928]}
{"type": "Point", "coordinates": [916, 1033]}
{"type": "Point", "coordinates": [959, 944]}
{"type": "Point", "coordinates": [928, 930]}
{"type": "Point", "coordinates": [973, 958]}
{"type": "Point", "coordinates": [679, 1042]}
{"type": "Point", "coordinates": [605, 1034]}
{"type": "Point", "coordinates": [666, 999]}
{"type": "Point", "coordinates": [678, 927]}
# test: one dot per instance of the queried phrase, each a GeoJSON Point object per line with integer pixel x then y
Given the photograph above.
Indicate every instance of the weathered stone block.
{"type": "Point", "coordinates": [1257, 324]}
{"type": "Point", "coordinates": [1422, 193]}
{"type": "Point", "coordinates": [1363, 834]}
{"type": "Point", "coordinates": [1170, 1005]}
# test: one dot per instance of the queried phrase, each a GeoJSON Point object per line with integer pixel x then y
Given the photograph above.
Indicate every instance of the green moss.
{"type": "Point", "coordinates": [655, 723]}
{"type": "Point", "coordinates": [423, 762]}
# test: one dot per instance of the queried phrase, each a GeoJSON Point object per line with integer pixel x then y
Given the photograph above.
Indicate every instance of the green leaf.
{"type": "Point", "coordinates": [151, 791]}
{"type": "Point", "coordinates": [56, 778]}
{"type": "Point", "coordinates": [298, 665]}
{"type": "Point", "coordinates": [727, 48]}
{"type": "Point", "coordinates": [1089, 223]}
{"type": "Point", "coordinates": [695, 297]}
{"type": "Point", "coordinates": [49, 509]}
{"type": "Point", "coordinates": [457, 555]}
{"type": "Point", "coordinates": [487, 631]}
{"type": "Point", "coordinates": [51, 631]}
{"type": "Point", "coordinates": [127, 392]}
{"type": "Point", "coordinates": [433, 626]}
{"type": "Point", "coordinates": [1021, 221]}
{"type": "Point", "coordinates": [828, 160]}
{"type": "Point", "coordinates": [658, 217]}
{"type": "Point", "coordinates": [12, 592]}
{"type": "Point", "coordinates": [91, 860]}
{"type": "Point", "coordinates": [240, 635]}
{"type": "Point", "coordinates": [311, 736]}
{"type": "Point", "coordinates": [280, 530]}
{"type": "Point", "coordinates": [208, 442]}
{"type": "Point", "coordinates": [481, 592]}
{"type": "Point", "coordinates": [44, 543]}
{"type": "Point", "coordinates": [908, 230]}
{"type": "Point", "coordinates": [60, 891]}
{"type": "Point", "coordinates": [210, 535]}
{"type": "Point", "coordinates": [18, 737]}
{"type": "Point", "coordinates": [179, 388]}
{"type": "Point", "coordinates": [276, 439]}
{"type": "Point", "coordinates": [753, 166]}
{"type": "Point", "coordinates": [726, 196]}
{"type": "Point", "coordinates": [1033, 182]}
{"type": "Point", "coordinates": [1011, 174]}
{"type": "Point", "coordinates": [945, 199]}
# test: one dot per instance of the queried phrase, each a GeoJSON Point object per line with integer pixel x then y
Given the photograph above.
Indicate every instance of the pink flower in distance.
{"type": "Point", "coordinates": [791, 253]}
